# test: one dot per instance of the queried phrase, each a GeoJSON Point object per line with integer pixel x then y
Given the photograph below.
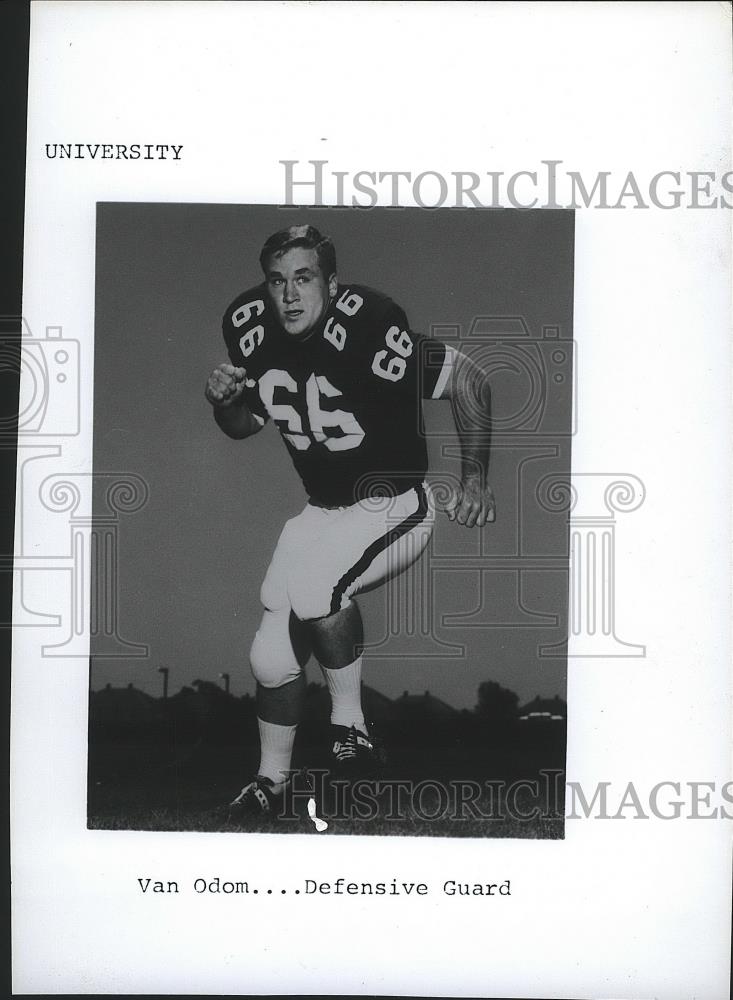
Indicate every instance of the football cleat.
{"type": "Point", "coordinates": [352, 753]}
{"type": "Point", "coordinates": [257, 799]}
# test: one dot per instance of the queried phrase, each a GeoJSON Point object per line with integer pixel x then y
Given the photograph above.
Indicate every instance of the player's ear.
{"type": "Point", "coordinates": [333, 284]}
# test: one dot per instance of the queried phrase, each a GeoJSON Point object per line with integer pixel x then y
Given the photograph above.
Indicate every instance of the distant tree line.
{"type": "Point", "coordinates": [204, 713]}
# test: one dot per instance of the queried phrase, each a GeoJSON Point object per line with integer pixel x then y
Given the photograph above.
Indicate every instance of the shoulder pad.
{"type": "Point", "coordinates": [366, 305]}
{"type": "Point", "coordinates": [246, 309]}
{"type": "Point", "coordinates": [245, 323]}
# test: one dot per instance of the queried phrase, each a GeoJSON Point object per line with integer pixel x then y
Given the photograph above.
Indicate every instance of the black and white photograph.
{"type": "Point", "coordinates": [330, 530]}
{"type": "Point", "coordinates": [370, 560]}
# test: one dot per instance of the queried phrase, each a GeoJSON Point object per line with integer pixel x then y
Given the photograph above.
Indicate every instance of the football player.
{"type": "Point", "coordinates": [338, 371]}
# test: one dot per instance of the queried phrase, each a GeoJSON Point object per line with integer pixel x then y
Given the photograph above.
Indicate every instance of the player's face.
{"type": "Point", "coordinates": [298, 289]}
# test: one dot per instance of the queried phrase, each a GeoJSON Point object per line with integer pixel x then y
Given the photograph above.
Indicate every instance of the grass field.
{"type": "Point", "coordinates": [144, 787]}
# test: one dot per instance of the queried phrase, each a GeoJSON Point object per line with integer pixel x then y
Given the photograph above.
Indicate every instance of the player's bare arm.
{"type": "Point", "coordinates": [224, 390]}
{"type": "Point", "coordinates": [472, 502]}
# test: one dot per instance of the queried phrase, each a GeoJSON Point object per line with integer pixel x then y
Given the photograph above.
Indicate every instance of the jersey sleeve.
{"type": "Point", "coordinates": [242, 335]}
{"type": "Point", "coordinates": [409, 361]}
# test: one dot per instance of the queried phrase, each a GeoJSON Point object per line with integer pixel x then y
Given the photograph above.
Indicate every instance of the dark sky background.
{"type": "Point", "coordinates": [192, 559]}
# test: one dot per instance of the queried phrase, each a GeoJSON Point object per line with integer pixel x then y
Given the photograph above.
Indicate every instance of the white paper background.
{"type": "Point", "coordinates": [625, 908]}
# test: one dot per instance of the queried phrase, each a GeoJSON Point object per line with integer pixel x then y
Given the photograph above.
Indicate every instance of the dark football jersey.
{"type": "Point", "coordinates": [347, 398]}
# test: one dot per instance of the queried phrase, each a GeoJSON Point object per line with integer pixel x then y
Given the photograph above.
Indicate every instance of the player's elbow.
{"type": "Point", "coordinates": [236, 424]}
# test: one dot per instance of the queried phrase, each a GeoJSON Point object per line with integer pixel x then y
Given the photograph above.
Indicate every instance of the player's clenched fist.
{"type": "Point", "coordinates": [225, 385]}
{"type": "Point", "coordinates": [471, 503]}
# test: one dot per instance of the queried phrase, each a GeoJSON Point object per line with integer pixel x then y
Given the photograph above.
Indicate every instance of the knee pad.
{"type": "Point", "coordinates": [272, 657]}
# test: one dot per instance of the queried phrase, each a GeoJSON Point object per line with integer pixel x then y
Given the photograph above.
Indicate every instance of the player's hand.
{"type": "Point", "coordinates": [472, 503]}
{"type": "Point", "coordinates": [225, 385]}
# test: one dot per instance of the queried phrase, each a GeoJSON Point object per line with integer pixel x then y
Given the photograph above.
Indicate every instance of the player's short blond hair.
{"type": "Point", "coordinates": [307, 237]}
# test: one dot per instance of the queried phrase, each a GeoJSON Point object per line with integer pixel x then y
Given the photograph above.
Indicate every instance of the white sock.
{"type": "Point", "coordinates": [276, 749]}
{"type": "Point", "coordinates": [344, 686]}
